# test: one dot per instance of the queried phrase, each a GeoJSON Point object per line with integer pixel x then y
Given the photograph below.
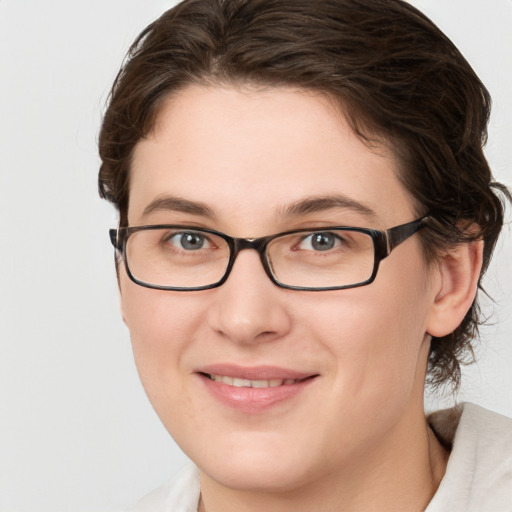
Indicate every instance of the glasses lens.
{"type": "Point", "coordinates": [322, 259]}
{"type": "Point", "coordinates": [176, 257]}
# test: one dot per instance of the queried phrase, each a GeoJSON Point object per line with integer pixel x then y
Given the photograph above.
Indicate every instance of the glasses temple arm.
{"type": "Point", "coordinates": [114, 238]}
{"type": "Point", "coordinates": [399, 234]}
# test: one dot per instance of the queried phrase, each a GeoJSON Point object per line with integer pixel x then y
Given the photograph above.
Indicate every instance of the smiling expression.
{"type": "Point", "coordinates": [248, 370]}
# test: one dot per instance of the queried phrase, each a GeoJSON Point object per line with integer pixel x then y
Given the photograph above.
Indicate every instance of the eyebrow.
{"type": "Point", "coordinates": [303, 207]}
{"type": "Point", "coordinates": [178, 204]}
{"type": "Point", "coordinates": [322, 203]}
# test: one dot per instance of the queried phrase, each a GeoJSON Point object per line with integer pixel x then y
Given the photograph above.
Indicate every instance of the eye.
{"type": "Point", "coordinates": [189, 241]}
{"type": "Point", "coordinates": [322, 241]}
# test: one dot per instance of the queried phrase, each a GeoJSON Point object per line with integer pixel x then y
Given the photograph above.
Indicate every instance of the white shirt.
{"type": "Point", "coordinates": [478, 477]}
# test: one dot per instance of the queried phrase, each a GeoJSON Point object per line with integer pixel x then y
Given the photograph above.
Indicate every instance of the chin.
{"type": "Point", "coordinates": [253, 462]}
{"type": "Point", "coordinates": [274, 476]}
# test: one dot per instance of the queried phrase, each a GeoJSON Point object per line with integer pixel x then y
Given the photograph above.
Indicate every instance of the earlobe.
{"type": "Point", "coordinates": [459, 272]}
{"type": "Point", "coordinates": [121, 301]}
{"type": "Point", "coordinates": [121, 306]}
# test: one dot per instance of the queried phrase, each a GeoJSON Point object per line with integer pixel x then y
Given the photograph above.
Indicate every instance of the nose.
{"type": "Point", "coordinates": [248, 307]}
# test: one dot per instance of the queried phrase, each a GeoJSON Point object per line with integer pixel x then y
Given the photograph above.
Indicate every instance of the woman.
{"type": "Point", "coordinates": [306, 214]}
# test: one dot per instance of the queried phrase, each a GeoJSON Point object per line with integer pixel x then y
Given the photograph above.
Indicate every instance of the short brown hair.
{"type": "Point", "coordinates": [396, 76]}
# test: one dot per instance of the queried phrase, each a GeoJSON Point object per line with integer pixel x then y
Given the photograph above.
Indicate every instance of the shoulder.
{"type": "Point", "coordinates": [180, 494]}
{"type": "Point", "coordinates": [479, 472]}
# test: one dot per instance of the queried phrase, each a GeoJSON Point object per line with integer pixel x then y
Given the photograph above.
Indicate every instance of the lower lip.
{"type": "Point", "coordinates": [254, 400]}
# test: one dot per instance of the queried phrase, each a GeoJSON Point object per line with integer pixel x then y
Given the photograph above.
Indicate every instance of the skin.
{"type": "Point", "coordinates": [356, 438]}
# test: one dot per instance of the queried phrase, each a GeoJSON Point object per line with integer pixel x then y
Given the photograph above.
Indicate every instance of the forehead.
{"type": "Point", "coordinates": [248, 154]}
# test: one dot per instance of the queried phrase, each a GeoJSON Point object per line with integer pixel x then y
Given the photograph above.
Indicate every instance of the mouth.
{"type": "Point", "coordinates": [252, 383]}
{"type": "Point", "coordinates": [254, 390]}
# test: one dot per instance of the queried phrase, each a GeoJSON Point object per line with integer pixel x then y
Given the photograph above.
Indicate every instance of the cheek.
{"type": "Point", "coordinates": [376, 335]}
{"type": "Point", "coordinates": [162, 326]}
{"type": "Point", "coordinates": [156, 319]}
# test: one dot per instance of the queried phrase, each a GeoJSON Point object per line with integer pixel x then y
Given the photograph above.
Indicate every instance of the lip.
{"type": "Point", "coordinates": [252, 399]}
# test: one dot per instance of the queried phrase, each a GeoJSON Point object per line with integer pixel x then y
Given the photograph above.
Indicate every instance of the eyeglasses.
{"type": "Point", "coordinates": [183, 258]}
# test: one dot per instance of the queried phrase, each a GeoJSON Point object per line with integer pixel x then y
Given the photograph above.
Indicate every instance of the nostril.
{"type": "Point", "coordinates": [266, 334]}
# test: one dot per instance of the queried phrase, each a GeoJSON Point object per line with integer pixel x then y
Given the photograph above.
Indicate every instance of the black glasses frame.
{"type": "Point", "coordinates": [383, 242]}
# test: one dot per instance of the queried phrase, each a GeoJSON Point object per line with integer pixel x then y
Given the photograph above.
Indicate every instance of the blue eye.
{"type": "Point", "coordinates": [322, 241]}
{"type": "Point", "coordinates": [189, 241]}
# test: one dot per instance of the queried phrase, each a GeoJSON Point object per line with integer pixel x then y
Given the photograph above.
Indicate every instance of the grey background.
{"type": "Point", "coordinates": [76, 431]}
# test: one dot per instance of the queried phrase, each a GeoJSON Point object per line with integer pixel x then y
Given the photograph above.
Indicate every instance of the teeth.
{"type": "Point", "coordinates": [241, 383]}
{"type": "Point", "coordinates": [246, 383]}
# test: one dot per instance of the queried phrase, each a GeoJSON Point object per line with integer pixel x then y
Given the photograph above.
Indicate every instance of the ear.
{"type": "Point", "coordinates": [119, 270]}
{"type": "Point", "coordinates": [121, 307]}
{"type": "Point", "coordinates": [459, 272]}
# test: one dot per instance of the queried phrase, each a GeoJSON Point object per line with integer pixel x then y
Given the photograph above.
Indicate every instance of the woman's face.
{"type": "Point", "coordinates": [342, 371]}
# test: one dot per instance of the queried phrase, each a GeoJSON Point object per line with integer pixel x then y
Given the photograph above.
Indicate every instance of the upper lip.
{"type": "Point", "coordinates": [263, 372]}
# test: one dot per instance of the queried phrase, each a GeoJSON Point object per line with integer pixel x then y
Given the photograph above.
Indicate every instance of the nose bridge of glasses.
{"type": "Point", "coordinates": [257, 244]}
